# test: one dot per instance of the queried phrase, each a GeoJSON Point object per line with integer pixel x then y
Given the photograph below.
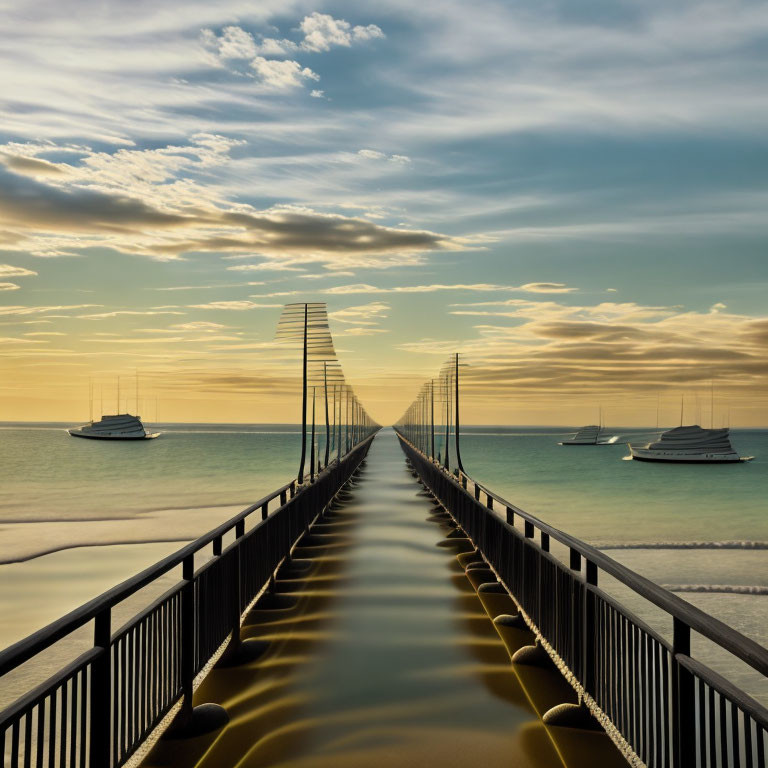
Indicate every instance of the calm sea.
{"type": "Point", "coordinates": [78, 516]}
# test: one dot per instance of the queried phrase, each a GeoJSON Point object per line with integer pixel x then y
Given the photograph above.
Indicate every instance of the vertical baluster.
{"type": "Point", "coordinates": [723, 731]}
{"type": "Point", "coordinates": [115, 699]}
{"type": "Point", "coordinates": [712, 757]}
{"type": "Point", "coordinates": [123, 740]}
{"type": "Point", "coordinates": [52, 728]}
{"type": "Point", "coordinates": [145, 659]}
{"type": "Point", "coordinates": [73, 714]}
{"type": "Point", "coordinates": [747, 740]}
{"type": "Point", "coordinates": [15, 744]}
{"type": "Point", "coordinates": [736, 750]}
{"type": "Point", "coordinates": [701, 723]}
{"type": "Point", "coordinates": [85, 686]}
{"type": "Point", "coordinates": [659, 701]}
{"type": "Point", "coordinates": [27, 739]}
{"type": "Point", "coordinates": [40, 733]}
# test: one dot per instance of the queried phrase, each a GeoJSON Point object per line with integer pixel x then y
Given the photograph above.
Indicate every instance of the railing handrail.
{"type": "Point", "coordinates": [17, 654]}
{"type": "Point", "coordinates": [746, 649]}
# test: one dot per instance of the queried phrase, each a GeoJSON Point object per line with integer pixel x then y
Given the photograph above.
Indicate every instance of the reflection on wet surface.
{"type": "Point", "coordinates": [380, 655]}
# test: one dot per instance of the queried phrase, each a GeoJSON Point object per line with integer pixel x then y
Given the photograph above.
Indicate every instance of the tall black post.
{"type": "Point", "coordinates": [447, 418]}
{"type": "Point", "coordinates": [312, 444]}
{"type": "Point", "coordinates": [304, 403]}
{"type": "Point", "coordinates": [458, 452]}
{"type": "Point", "coordinates": [432, 414]}
{"type": "Point", "coordinates": [327, 417]}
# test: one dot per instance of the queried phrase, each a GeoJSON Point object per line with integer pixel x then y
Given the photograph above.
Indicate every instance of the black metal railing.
{"type": "Point", "coordinates": [662, 706]}
{"type": "Point", "coordinates": [98, 710]}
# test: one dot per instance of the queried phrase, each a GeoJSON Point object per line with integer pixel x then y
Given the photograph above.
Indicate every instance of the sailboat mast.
{"type": "Point", "coordinates": [118, 394]}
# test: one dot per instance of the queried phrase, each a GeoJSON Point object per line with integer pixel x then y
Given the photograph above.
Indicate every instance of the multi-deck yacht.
{"type": "Point", "coordinates": [590, 435]}
{"type": "Point", "coordinates": [691, 445]}
{"type": "Point", "coordinates": [121, 426]}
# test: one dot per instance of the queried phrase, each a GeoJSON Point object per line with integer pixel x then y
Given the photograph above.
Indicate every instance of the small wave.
{"type": "Point", "coordinates": [733, 589]}
{"type": "Point", "coordinates": [688, 545]}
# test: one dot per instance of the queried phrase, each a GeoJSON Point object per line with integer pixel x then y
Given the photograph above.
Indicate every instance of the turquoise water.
{"type": "Point", "coordinates": [74, 513]}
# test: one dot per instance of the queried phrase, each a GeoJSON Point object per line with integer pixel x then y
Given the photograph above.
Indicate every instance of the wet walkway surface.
{"type": "Point", "coordinates": [380, 655]}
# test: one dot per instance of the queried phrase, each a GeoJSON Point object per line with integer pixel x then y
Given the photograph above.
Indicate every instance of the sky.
{"type": "Point", "coordinates": [571, 196]}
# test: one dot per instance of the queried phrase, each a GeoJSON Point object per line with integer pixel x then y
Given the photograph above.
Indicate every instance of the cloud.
{"type": "Point", "coordinates": [200, 325]}
{"type": "Point", "coordinates": [9, 287]}
{"type": "Point", "coordinates": [610, 348]}
{"type": "Point", "coordinates": [371, 154]}
{"type": "Point", "coordinates": [27, 310]}
{"type": "Point", "coordinates": [117, 312]}
{"type": "Point", "coordinates": [235, 46]}
{"type": "Point", "coordinates": [317, 94]}
{"type": "Point", "coordinates": [32, 166]}
{"type": "Point", "coordinates": [282, 73]}
{"type": "Point", "coordinates": [233, 305]}
{"type": "Point", "coordinates": [480, 287]}
{"type": "Point", "coordinates": [7, 340]}
{"type": "Point", "coordinates": [6, 270]}
{"type": "Point", "coordinates": [233, 43]}
{"type": "Point", "coordinates": [363, 314]}
{"type": "Point", "coordinates": [322, 32]}
{"type": "Point", "coordinates": [374, 154]}
{"type": "Point", "coordinates": [547, 288]}
{"type": "Point", "coordinates": [165, 229]}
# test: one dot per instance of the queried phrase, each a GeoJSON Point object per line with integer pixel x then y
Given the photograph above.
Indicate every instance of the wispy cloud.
{"type": "Point", "coordinates": [7, 270]}
{"type": "Point", "coordinates": [236, 306]}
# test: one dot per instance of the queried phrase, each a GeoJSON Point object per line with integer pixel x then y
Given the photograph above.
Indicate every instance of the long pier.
{"type": "Point", "coordinates": [286, 643]}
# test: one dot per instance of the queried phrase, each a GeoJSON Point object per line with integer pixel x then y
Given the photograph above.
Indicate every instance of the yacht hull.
{"type": "Point", "coordinates": [113, 437]}
{"type": "Point", "coordinates": [567, 442]}
{"type": "Point", "coordinates": [640, 455]}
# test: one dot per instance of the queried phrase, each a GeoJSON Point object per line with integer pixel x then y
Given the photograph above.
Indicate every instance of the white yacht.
{"type": "Point", "coordinates": [121, 426]}
{"type": "Point", "coordinates": [590, 435]}
{"type": "Point", "coordinates": [691, 445]}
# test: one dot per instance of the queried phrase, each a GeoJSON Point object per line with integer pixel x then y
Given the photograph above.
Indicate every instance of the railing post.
{"type": "Point", "coordinates": [283, 497]}
{"type": "Point", "coordinates": [510, 516]}
{"type": "Point", "coordinates": [545, 541]}
{"type": "Point", "coordinates": [575, 560]}
{"type": "Point", "coordinates": [488, 500]}
{"type": "Point", "coordinates": [477, 492]}
{"type": "Point", "coordinates": [101, 692]}
{"type": "Point", "coordinates": [528, 529]}
{"type": "Point", "coordinates": [683, 697]}
{"type": "Point", "coordinates": [187, 640]}
{"type": "Point", "coordinates": [265, 510]}
{"type": "Point", "coordinates": [237, 569]}
{"type": "Point", "coordinates": [590, 644]}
